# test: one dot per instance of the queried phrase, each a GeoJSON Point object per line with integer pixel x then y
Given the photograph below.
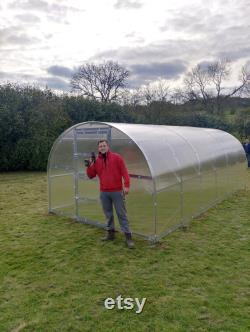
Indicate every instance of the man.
{"type": "Point", "coordinates": [111, 170]}
{"type": "Point", "coordinates": [246, 147]}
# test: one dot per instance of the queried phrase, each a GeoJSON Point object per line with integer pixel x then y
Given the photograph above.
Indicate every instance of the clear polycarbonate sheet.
{"type": "Point", "coordinates": [229, 162]}
{"type": "Point", "coordinates": [131, 153]}
{"type": "Point", "coordinates": [192, 192]}
{"type": "Point", "coordinates": [91, 210]}
{"type": "Point", "coordinates": [200, 142]}
{"type": "Point", "coordinates": [139, 202]}
{"type": "Point", "coordinates": [62, 195]}
{"type": "Point", "coordinates": [240, 177]}
{"type": "Point", "coordinates": [168, 212]}
{"type": "Point", "coordinates": [62, 156]}
{"type": "Point", "coordinates": [140, 207]}
{"type": "Point", "coordinates": [156, 144]}
{"type": "Point", "coordinates": [186, 161]}
{"type": "Point", "coordinates": [176, 173]}
{"type": "Point", "coordinates": [220, 161]}
{"type": "Point", "coordinates": [208, 189]}
{"type": "Point", "coordinates": [88, 188]}
{"type": "Point", "coordinates": [237, 178]}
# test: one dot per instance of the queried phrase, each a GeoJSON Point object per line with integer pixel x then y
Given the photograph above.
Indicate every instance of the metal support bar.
{"type": "Point", "coordinates": [181, 202]}
{"type": "Point", "coordinates": [75, 156]}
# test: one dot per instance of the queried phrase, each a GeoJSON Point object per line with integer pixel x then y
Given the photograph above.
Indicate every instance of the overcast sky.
{"type": "Point", "coordinates": [44, 41]}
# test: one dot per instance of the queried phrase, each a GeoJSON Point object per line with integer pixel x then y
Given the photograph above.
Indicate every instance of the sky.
{"type": "Point", "coordinates": [43, 42]}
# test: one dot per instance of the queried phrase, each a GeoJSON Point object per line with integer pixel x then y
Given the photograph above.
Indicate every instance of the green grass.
{"type": "Point", "coordinates": [55, 273]}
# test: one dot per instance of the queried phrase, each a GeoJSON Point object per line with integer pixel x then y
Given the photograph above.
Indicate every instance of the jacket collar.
{"type": "Point", "coordinates": [107, 154]}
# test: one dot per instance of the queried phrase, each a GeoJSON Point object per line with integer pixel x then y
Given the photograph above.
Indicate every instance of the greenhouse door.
{"type": "Point", "coordinates": [87, 203]}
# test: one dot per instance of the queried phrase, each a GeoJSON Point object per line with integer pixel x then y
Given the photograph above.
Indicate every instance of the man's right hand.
{"type": "Point", "coordinates": [88, 162]}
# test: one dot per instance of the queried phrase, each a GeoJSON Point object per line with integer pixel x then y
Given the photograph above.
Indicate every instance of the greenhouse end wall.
{"type": "Point", "coordinates": [176, 173]}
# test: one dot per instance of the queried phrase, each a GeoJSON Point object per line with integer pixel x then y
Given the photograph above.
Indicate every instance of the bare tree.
{"type": "Point", "coordinates": [130, 97]}
{"type": "Point", "coordinates": [207, 84]}
{"type": "Point", "coordinates": [196, 83]}
{"type": "Point", "coordinates": [147, 94]}
{"type": "Point", "coordinates": [162, 91]}
{"type": "Point", "coordinates": [159, 91]}
{"type": "Point", "coordinates": [244, 78]}
{"type": "Point", "coordinates": [178, 96]}
{"type": "Point", "coordinates": [100, 81]}
{"type": "Point", "coordinates": [219, 71]}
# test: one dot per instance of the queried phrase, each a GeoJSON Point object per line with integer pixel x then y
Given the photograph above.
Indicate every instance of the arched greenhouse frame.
{"type": "Point", "coordinates": [176, 173]}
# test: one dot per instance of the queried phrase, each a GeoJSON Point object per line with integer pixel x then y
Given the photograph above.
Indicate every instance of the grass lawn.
{"type": "Point", "coordinates": [55, 273]}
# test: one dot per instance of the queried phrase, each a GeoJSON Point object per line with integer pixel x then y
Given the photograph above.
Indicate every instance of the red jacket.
{"type": "Point", "coordinates": [110, 172]}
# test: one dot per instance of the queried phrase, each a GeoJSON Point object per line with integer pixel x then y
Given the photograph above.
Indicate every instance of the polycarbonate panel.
{"type": "Point", "coordinates": [86, 146]}
{"type": "Point", "coordinates": [87, 137]}
{"type": "Point", "coordinates": [235, 176]}
{"type": "Point", "coordinates": [192, 194]}
{"type": "Point", "coordinates": [160, 153]}
{"type": "Point", "coordinates": [208, 189]}
{"type": "Point", "coordinates": [62, 195]}
{"type": "Point", "coordinates": [91, 210]}
{"type": "Point", "coordinates": [62, 156]}
{"type": "Point", "coordinates": [185, 161]}
{"type": "Point", "coordinates": [88, 188]}
{"type": "Point", "coordinates": [242, 178]}
{"type": "Point", "coordinates": [140, 207]}
{"type": "Point", "coordinates": [200, 142]}
{"type": "Point", "coordinates": [131, 153]}
{"type": "Point", "coordinates": [168, 209]}
{"type": "Point", "coordinates": [222, 182]}
{"type": "Point", "coordinates": [156, 144]}
{"type": "Point", "coordinates": [230, 171]}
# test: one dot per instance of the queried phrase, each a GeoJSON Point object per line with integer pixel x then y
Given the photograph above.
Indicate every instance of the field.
{"type": "Point", "coordinates": [56, 273]}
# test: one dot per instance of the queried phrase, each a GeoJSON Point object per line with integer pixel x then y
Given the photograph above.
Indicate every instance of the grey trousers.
{"type": "Point", "coordinates": [116, 198]}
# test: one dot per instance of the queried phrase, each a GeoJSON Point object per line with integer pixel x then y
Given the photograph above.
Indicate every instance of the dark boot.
{"type": "Point", "coordinates": [109, 236]}
{"type": "Point", "coordinates": [130, 244]}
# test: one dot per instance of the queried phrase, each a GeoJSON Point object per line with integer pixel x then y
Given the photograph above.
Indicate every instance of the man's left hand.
{"type": "Point", "coordinates": [126, 190]}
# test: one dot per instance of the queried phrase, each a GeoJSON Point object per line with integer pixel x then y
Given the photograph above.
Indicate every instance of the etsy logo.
{"type": "Point", "coordinates": [127, 303]}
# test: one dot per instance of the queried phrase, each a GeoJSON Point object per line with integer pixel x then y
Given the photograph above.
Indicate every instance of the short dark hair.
{"type": "Point", "coordinates": [102, 140]}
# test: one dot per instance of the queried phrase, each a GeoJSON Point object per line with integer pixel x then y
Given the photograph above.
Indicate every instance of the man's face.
{"type": "Point", "coordinates": [103, 147]}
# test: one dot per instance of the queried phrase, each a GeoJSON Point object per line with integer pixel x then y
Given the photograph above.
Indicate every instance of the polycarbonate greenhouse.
{"type": "Point", "coordinates": [176, 173]}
